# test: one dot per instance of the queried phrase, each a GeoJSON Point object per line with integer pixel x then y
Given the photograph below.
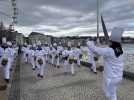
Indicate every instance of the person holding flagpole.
{"type": "Point", "coordinates": [113, 63]}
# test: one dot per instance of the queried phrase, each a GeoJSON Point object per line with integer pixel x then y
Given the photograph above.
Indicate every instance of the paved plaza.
{"type": "Point", "coordinates": [84, 85]}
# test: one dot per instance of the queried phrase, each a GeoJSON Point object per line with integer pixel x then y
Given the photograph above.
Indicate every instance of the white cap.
{"type": "Point", "coordinates": [4, 40]}
{"type": "Point", "coordinates": [29, 46]}
{"type": "Point", "coordinates": [59, 43]}
{"type": "Point", "coordinates": [116, 34]}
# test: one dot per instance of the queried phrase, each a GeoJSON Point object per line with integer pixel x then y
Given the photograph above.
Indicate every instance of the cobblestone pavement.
{"type": "Point", "coordinates": [56, 86]}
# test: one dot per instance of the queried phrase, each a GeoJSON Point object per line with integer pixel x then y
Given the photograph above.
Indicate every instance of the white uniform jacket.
{"type": "Point", "coordinates": [40, 55]}
{"type": "Point", "coordinates": [113, 66]}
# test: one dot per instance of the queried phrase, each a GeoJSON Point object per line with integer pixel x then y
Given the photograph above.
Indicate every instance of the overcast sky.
{"type": "Point", "coordinates": [69, 17]}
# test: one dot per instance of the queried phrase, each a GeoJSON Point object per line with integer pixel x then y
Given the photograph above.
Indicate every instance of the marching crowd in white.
{"type": "Point", "coordinates": [56, 54]}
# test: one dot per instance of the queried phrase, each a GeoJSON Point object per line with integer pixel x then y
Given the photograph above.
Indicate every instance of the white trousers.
{"type": "Point", "coordinates": [52, 60]}
{"type": "Point", "coordinates": [72, 68]}
{"type": "Point", "coordinates": [46, 57]}
{"type": "Point", "coordinates": [33, 62]}
{"type": "Point", "coordinates": [66, 66]}
{"type": "Point", "coordinates": [91, 61]}
{"type": "Point", "coordinates": [58, 61]}
{"type": "Point", "coordinates": [25, 57]}
{"type": "Point", "coordinates": [41, 69]}
{"type": "Point", "coordinates": [78, 61]}
{"type": "Point", "coordinates": [110, 88]}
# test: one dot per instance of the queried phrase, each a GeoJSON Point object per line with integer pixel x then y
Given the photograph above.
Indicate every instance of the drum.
{"type": "Point", "coordinates": [4, 61]}
{"type": "Point", "coordinates": [40, 61]}
{"type": "Point", "coordinates": [71, 59]}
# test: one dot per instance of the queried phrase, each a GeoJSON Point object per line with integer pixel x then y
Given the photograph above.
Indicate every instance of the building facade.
{"type": "Point", "coordinates": [19, 38]}
{"type": "Point", "coordinates": [8, 33]}
{"type": "Point", "coordinates": [34, 37]}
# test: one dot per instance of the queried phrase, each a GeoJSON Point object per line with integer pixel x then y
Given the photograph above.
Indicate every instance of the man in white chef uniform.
{"type": "Point", "coordinates": [71, 53]}
{"type": "Point", "coordinates": [59, 55]}
{"type": "Point", "coordinates": [53, 54]}
{"type": "Point", "coordinates": [6, 60]}
{"type": "Point", "coordinates": [33, 56]}
{"type": "Point", "coordinates": [12, 54]}
{"type": "Point", "coordinates": [25, 50]}
{"type": "Point", "coordinates": [40, 60]}
{"type": "Point", "coordinates": [113, 63]}
{"type": "Point", "coordinates": [78, 54]}
{"type": "Point", "coordinates": [47, 49]}
{"type": "Point", "coordinates": [65, 55]}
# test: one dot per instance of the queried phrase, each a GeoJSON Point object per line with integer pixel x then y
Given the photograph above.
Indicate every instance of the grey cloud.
{"type": "Point", "coordinates": [119, 14]}
{"type": "Point", "coordinates": [68, 15]}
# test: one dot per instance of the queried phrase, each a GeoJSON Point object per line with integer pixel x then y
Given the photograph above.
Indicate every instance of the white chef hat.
{"type": "Point", "coordinates": [54, 44]}
{"type": "Point", "coordinates": [51, 45]}
{"type": "Point", "coordinates": [34, 45]}
{"type": "Point", "coordinates": [90, 43]}
{"type": "Point", "coordinates": [116, 34]}
{"type": "Point", "coordinates": [4, 40]}
{"type": "Point", "coordinates": [9, 43]}
{"type": "Point", "coordinates": [69, 44]}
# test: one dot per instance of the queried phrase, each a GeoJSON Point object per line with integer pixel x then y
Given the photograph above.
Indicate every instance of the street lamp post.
{"type": "Point", "coordinates": [98, 16]}
{"type": "Point", "coordinates": [15, 12]}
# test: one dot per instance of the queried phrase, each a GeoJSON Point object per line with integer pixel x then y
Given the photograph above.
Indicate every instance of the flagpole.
{"type": "Point", "coordinates": [98, 42]}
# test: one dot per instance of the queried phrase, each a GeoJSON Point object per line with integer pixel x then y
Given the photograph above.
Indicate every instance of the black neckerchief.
{"type": "Point", "coordinates": [117, 48]}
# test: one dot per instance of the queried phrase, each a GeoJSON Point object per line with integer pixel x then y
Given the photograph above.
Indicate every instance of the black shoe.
{"type": "Point", "coordinates": [65, 73]}
{"type": "Point", "coordinates": [38, 75]}
{"type": "Point", "coordinates": [73, 74]}
{"type": "Point", "coordinates": [79, 66]}
{"type": "Point", "coordinates": [3, 87]}
{"type": "Point", "coordinates": [58, 66]}
{"type": "Point", "coordinates": [41, 76]}
{"type": "Point", "coordinates": [95, 72]}
{"type": "Point", "coordinates": [7, 80]}
{"type": "Point", "coordinates": [33, 68]}
{"type": "Point", "coordinates": [36, 67]}
{"type": "Point", "coordinates": [91, 70]}
{"type": "Point", "coordinates": [11, 69]}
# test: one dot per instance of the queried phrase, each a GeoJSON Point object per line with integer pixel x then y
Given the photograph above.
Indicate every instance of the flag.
{"type": "Point", "coordinates": [104, 30]}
